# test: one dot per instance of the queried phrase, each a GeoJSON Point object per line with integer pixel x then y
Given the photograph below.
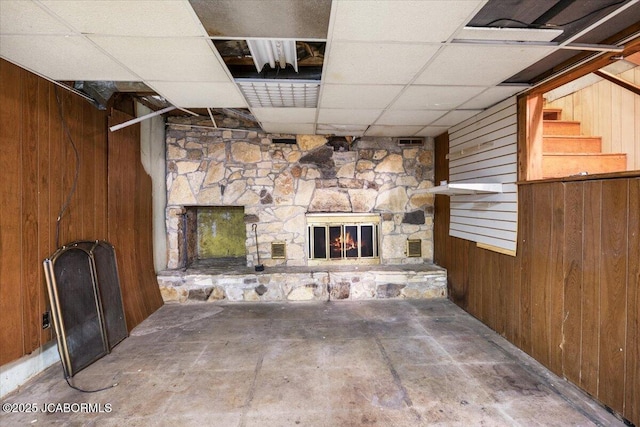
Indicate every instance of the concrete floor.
{"type": "Point", "coordinates": [376, 363]}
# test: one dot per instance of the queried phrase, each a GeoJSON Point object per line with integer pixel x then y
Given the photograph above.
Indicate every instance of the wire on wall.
{"type": "Point", "coordinates": [67, 201]}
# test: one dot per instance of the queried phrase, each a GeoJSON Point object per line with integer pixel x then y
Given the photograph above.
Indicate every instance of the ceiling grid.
{"type": "Point", "coordinates": [386, 67]}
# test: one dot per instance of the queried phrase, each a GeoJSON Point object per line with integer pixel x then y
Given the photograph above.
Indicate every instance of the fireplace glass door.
{"type": "Point", "coordinates": [343, 243]}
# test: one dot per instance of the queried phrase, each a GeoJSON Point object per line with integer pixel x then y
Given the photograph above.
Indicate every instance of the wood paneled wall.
{"type": "Point", "coordinates": [130, 222]}
{"type": "Point", "coordinates": [571, 296]}
{"type": "Point", "coordinates": [610, 111]}
{"type": "Point", "coordinates": [37, 167]}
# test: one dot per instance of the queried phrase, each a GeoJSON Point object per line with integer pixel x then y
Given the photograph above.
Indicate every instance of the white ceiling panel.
{"type": "Point", "coordinates": [341, 130]}
{"type": "Point", "coordinates": [348, 116]}
{"type": "Point", "coordinates": [376, 63]}
{"type": "Point", "coordinates": [63, 58]}
{"type": "Point", "coordinates": [200, 94]}
{"type": "Point", "coordinates": [435, 97]}
{"type": "Point", "coordinates": [190, 59]}
{"type": "Point", "coordinates": [285, 115]}
{"type": "Point", "coordinates": [358, 96]}
{"type": "Point", "coordinates": [290, 128]}
{"type": "Point", "coordinates": [508, 34]}
{"type": "Point", "coordinates": [454, 117]}
{"type": "Point", "coordinates": [418, 21]}
{"type": "Point", "coordinates": [392, 130]}
{"type": "Point", "coordinates": [26, 17]}
{"type": "Point", "coordinates": [482, 65]}
{"type": "Point", "coordinates": [409, 117]}
{"type": "Point", "coordinates": [149, 18]}
{"type": "Point", "coordinates": [432, 131]}
{"type": "Point", "coordinates": [492, 96]}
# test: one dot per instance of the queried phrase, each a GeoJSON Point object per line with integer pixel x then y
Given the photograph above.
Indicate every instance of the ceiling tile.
{"type": "Point", "coordinates": [295, 19]}
{"type": "Point", "coordinates": [481, 65]}
{"type": "Point", "coordinates": [341, 130]}
{"type": "Point", "coordinates": [200, 94]}
{"type": "Point", "coordinates": [508, 34]}
{"type": "Point", "coordinates": [454, 117]}
{"type": "Point", "coordinates": [358, 96]}
{"type": "Point", "coordinates": [189, 59]}
{"type": "Point", "coordinates": [422, 21]}
{"type": "Point", "coordinates": [63, 58]}
{"type": "Point", "coordinates": [285, 115]}
{"type": "Point", "coordinates": [375, 63]}
{"type": "Point", "coordinates": [435, 97]}
{"type": "Point", "coordinates": [393, 130]}
{"type": "Point", "coordinates": [409, 117]}
{"type": "Point", "coordinates": [492, 96]}
{"type": "Point", "coordinates": [432, 131]}
{"type": "Point", "coordinates": [291, 128]}
{"type": "Point", "coordinates": [25, 17]}
{"type": "Point", "coordinates": [128, 18]}
{"type": "Point", "coordinates": [348, 116]}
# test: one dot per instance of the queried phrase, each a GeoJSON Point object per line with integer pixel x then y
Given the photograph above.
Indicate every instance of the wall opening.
{"type": "Point", "coordinates": [214, 235]}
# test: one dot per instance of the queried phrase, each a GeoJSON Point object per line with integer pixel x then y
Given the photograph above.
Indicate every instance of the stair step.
{"type": "Point", "coordinates": [571, 144]}
{"type": "Point", "coordinates": [552, 114]}
{"type": "Point", "coordinates": [555, 165]}
{"type": "Point", "coordinates": [560, 127]}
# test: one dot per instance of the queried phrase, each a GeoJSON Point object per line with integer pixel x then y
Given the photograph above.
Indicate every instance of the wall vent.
{"type": "Point", "coordinates": [278, 250]}
{"type": "Point", "coordinates": [410, 141]}
{"type": "Point", "coordinates": [414, 248]}
{"type": "Point", "coordinates": [288, 141]}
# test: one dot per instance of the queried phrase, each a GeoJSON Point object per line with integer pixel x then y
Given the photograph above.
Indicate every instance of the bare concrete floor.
{"type": "Point", "coordinates": [376, 363]}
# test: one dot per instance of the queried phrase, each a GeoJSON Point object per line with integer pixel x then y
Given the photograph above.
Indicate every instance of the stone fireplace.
{"type": "Point", "coordinates": [313, 205]}
{"type": "Point", "coordinates": [282, 186]}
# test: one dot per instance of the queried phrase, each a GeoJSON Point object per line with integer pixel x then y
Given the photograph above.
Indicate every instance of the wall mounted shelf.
{"type": "Point", "coordinates": [459, 188]}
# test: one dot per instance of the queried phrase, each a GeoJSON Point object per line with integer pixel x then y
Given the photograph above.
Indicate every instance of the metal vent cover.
{"type": "Point", "coordinates": [278, 250]}
{"type": "Point", "coordinates": [414, 248]}
{"type": "Point", "coordinates": [410, 141]}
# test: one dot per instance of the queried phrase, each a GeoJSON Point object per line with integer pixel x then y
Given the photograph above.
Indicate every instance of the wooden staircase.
{"type": "Point", "coordinates": [567, 152]}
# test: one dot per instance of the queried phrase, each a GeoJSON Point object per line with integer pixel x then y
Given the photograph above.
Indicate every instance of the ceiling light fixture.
{"type": "Point", "coordinates": [280, 93]}
{"type": "Point", "coordinates": [273, 52]}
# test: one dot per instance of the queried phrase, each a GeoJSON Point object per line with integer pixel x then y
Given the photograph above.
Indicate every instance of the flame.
{"type": "Point", "coordinates": [349, 243]}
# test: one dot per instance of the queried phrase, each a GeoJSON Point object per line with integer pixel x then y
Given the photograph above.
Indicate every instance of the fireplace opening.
{"type": "Point", "coordinates": [214, 235]}
{"type": "Point", "coordinates": [343, 238]}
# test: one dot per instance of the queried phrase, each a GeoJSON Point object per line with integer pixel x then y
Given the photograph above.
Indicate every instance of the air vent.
{"type": "Point", "coordinates": [414, 248]}
{"type": "Point", "coordinates": [403, 142]}
{"type": "Point", "coordinates": [278, 250]}
{"type": "Point", "coordinates": [289, 141]}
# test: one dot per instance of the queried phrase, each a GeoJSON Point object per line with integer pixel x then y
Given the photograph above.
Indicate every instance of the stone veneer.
{"type": "Point", "coordinates": [305, 284]}
{"type": "Point", "coordinates": [279, 183]}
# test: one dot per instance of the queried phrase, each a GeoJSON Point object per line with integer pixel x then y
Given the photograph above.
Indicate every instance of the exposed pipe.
{"type": "Point", "coordinates": [141, 118]}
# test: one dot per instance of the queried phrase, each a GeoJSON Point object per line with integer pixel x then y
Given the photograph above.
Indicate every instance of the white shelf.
{"type": "Point", "coordinates": [456, 188]}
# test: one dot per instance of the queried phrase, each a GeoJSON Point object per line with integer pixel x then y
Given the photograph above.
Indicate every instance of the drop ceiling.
{"type": "Point", "coordinates": [384, 68]}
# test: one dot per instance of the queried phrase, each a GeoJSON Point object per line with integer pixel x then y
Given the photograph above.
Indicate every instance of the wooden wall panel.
{"type": "Point", "coordinates": [572, 271]}
{"type": "Point", "coordinates": [607, 110]}
{"type": "Point", "coordinates": [11, 338]}
{"type": "Point", "coordinates": [45, 240]}
{"type": "Point", "coordinates": [570, 297]}
{"type": "Point", "coordinates": [632, 360]}
{"type": "Point", "coordinates": [590, 351]}
{"type": "Point", "coordinates": [613, 284]}
{"type": "Point", "coordinates": [129, 222]}
{"type": "Point", "coordinates": [38, 168]}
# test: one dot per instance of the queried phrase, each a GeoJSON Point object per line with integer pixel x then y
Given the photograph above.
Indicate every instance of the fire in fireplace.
{"type": "Point", "coordinates": [343, 238]}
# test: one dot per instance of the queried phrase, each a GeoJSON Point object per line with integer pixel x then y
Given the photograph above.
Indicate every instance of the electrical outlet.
{"type": "Point", "coordinates": [46, 319]}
